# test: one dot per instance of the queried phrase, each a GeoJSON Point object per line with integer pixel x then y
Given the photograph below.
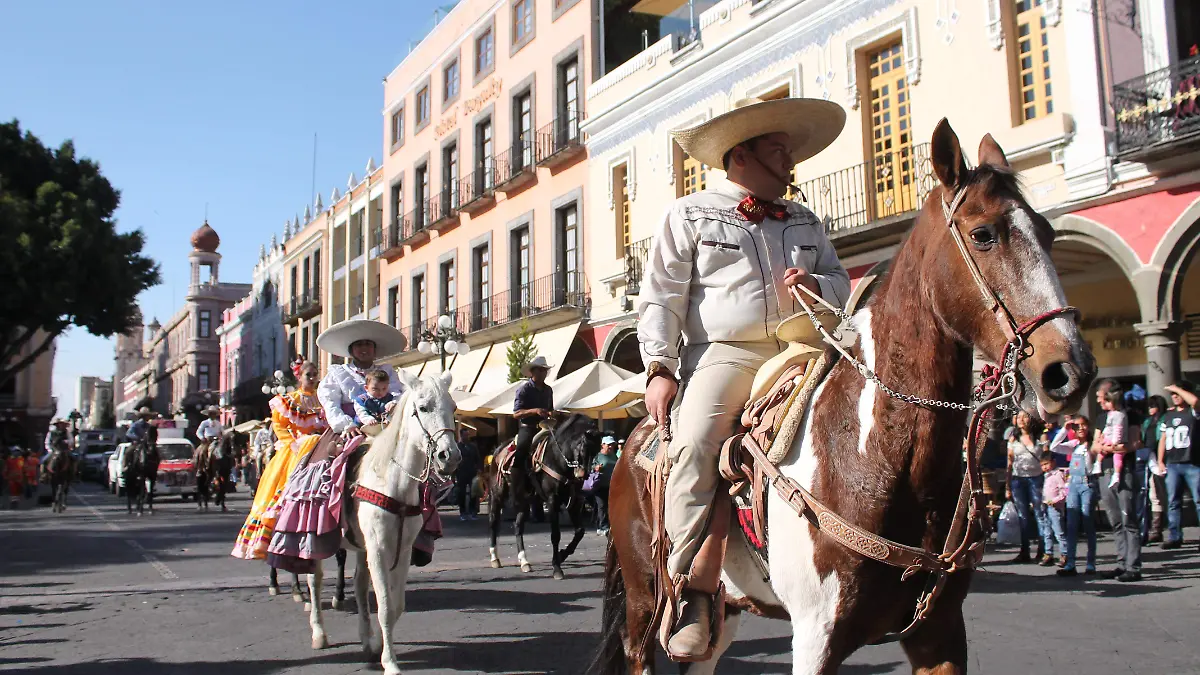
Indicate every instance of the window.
{"type": "Point", "coordinates": [1032, 52]}
{"type": "Point", "coordinates": [418, 299]}
{"type": "Point", "coordinates": [449, 178]}
{"type": "Point", "coordinates": [485, 52]}
{"type": "Point", "coordinates": [305, 289]}
{"type": "Point", "coordinates": [695, 175]}
{"type": "Point", "coordinates": [621, 187]}
{"type": "Point", "coordinates": [481, 293]}
{"type": "Point", "coordinates": [303, 340]}
{"type": "Point", "coordinates": [568, 251]}
{"type": "Point", "coordinates": [316, 278]}
{"type": "Point", "coordinates": [522, 21]}
{"type": "Point", "coordinates": [312, 346]}
{"type": "Point", "coordinates": [205, 323]}
{"type": "Point", "coordinates": [449, 287]}
{"type": "Point", "coordinates": [423, 105]}
{"type": "Point", "coordinates": [397, 212]}
{"type": "Point", "coordinates": [398, 127]}
{"type": "Point", "coordinates": [450, 81]}
{"type": "Point", "coordinates": [568, 78]}
{"type": "Point", "coordinates": [891, 133]}
{"type": "Point", "coordinates": [523, 129]}
{"type": "Point", "coordinates": [484, 157]}
{"type": "Point", "coordinates": [521, 269]}
{"type": "Point", "coordinates": [422, 196]}
{"type": "Point", "coordinates": [393, 306]}
{"type": "Point", "coordinates": [297, 290]}
{"type": "Point", "coordinates": [202, 377]}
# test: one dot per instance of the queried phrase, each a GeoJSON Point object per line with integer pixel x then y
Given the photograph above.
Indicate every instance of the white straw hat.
{"type": "Point", "coordinates": [811, 124]}
{"type": "Point", "coordinates": [337, 338]}
{"type": "Point", "coordinates": [537, 362]}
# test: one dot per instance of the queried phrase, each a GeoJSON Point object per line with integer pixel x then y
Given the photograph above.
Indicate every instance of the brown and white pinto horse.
{"type": "Point", "coordinates": [887, 466]}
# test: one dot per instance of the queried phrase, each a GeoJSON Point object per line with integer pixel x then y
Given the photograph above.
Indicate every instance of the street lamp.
{"type": "Point", "coordinates": [278, 384]}
{"type": "Point", "coordinates": [444, 339]}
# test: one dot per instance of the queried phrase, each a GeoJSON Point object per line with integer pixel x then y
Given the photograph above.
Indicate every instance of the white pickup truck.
{"type": "Point", "coordinates": [176, 472]}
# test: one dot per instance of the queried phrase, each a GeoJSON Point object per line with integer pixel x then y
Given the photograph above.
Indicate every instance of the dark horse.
{"type": "Point", "coordinates": [574, 441]}
{"type": "Point", "coordinates": [887, 466]}
{"type": "Point", "coordinates": [148, 460]}
{"type": "Point", "coordinates": [61, 467]}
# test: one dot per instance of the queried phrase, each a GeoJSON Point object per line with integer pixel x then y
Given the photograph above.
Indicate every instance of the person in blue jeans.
{"type": "Point", "coordinates": [1026, 483]}
{"type": "Point", "coordinates": [1175, 431]}
{"type": "Point", "coordinates": [1071, 441]}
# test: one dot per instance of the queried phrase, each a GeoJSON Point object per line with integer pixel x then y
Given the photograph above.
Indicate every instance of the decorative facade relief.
{"type": "Point", "coordinates": [994, 23]}
{"type": "Point", "coordinates": [626, 158]}
{"type": "Point", "coordinates": [906, 25]}
{"type": "Point", "coordinates": [1052, 10]}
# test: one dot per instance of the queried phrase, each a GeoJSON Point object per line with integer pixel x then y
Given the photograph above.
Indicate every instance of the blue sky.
{"type": "Point", "coordinates": [192, 104]}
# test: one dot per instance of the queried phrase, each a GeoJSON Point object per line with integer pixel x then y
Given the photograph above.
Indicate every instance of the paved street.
{"type": "Point", "coordinates": [96, 591]}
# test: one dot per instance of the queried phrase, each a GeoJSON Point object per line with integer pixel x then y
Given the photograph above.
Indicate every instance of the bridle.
{"type": "Point", "coordinates": [999, 387]}
{"type": "Point", "coordinates": [573, 466]}
{"type": "Point", "coordinates": [427, 449]}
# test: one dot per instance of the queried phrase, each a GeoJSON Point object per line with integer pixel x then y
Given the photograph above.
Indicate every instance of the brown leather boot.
{"type": "Point", "coordinates": [690, 637]}
{"type": "Point", "coordinates": [1156, 528]}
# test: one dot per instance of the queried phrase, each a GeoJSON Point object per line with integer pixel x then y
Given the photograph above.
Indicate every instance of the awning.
{"type": "Point", "coordinates": [493, 375]}
{"type": "Point", "coordinates": [659, 7]}
{"type": "Point", "coordinates": [415, 369]}
{"type": "Point", "coordinates": [433, 367]}
{"type": "Point", "coordinates": [246, 427]}
{"type": "Point", "coordinates": [480, 405]}
{"type": "Point", "coordinates": [466, 368]}
{"type": "Point", "coordinates": [554, 345]}
{"type": "Point", "coordinates": [593, 377]}
{"type": "Point", "coordinates": [612, 398]}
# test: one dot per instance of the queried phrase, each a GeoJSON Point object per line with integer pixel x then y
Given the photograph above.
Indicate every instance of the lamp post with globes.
{"type": "Point", "coordinates": [277, 385]}
{"type": "Point", "coordinates": [444, 339]}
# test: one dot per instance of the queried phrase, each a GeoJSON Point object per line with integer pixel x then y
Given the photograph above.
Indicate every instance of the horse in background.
{"type": "Point", "coordinates": [557, 480]}
{"type": "Point", "coordinates": [147, 463]}
{"type": "Point", "coordinates": [61, 467]}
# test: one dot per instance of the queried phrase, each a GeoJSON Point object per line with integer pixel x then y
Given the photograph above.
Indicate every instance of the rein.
{"type": "Point", "coordinates": [998, 388]}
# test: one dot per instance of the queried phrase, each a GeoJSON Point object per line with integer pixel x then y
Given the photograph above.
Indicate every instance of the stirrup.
{"type": "Point", "coordinates": [671, 615]}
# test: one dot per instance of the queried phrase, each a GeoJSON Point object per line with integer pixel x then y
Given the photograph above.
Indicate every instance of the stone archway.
{"type": "Point", "coordinates": [1174, 255]}
{"type": "Point", "coordinates": [621, 349]}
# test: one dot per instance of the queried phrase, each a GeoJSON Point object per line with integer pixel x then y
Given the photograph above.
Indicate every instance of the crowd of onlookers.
{"type": "Point", "coordinates": [1132, 459]}
{"type": "Point", "coordinates": [20, 471]}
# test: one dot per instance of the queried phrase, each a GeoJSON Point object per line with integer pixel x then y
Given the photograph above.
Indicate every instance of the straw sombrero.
{"type": "Point", "coordinates": [537, 362]}
{"type": "Point", "coordinates": [337, 338]}
{"type": "Point", "coordinates": [812, 124]}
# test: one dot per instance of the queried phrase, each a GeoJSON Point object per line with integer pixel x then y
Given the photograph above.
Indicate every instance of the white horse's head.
{"type": "Point", "coordinates": [420, 436]}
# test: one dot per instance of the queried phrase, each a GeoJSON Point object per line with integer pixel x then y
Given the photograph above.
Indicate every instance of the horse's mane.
{"type": "Point", "coordinates": [380, 452]}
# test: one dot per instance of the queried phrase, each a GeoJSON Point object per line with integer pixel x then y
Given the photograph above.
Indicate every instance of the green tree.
{"type": "Point", "coordinates": [62, 261]}
{"type": "Point", "coordinates": [520, 351]}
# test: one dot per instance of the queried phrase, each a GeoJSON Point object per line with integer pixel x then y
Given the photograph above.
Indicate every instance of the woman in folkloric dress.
{"type": "Point", "coordinates": [298, 421]}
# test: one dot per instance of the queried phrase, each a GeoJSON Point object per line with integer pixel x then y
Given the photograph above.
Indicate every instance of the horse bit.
{"type": "Point", "coordinates": [428, 449]}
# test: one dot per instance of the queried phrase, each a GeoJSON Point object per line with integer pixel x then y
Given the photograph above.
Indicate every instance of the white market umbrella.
{"type": "Point", "coordinates": [481, 405]}
{"type": "Point", "coordinates": [578, 384]}
{"type": "Point", "coordinates": [612, 398]}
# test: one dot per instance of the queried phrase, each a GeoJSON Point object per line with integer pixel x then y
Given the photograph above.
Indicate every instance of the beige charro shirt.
{"type": "Point", "coordinates": [713, 276]}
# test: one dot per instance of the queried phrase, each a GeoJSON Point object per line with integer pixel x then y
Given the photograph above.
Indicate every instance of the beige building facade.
{"type": "Point", "coordinates": [485, 186]}
{"type": "Point", "coordinates": [1025, 71]}
{"type": "Point", "coordinates": [27, 403]}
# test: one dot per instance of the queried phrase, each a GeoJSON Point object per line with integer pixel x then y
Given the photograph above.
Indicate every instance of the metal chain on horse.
{"type": "Point", "coordinates": [427, 450]}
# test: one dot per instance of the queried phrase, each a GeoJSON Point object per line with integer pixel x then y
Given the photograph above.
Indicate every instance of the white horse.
{"type": "Point", "coordinates": [418, 440]}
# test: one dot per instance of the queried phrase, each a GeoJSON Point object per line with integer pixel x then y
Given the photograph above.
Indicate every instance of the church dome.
{"type": "Point", "coordinates": [205, 239]}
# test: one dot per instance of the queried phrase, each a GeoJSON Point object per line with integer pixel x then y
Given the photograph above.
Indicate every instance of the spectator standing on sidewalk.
{"type": "Point", "coordinates": [1154, 509]}
{"type": "Point", "coordinates": [1025, 483]}
{"type": "Point", "coordinates": [1054, 500]}
{"type": "Point", "coordinates": [14, 475]}
{"type": "Point", "coordinates": [464, 476]}
{"type": "Point", "coordinates": [1119, 490]}
{"type": "Point", "coordinates": [605, 462]}
{"type": "Point", "coordinates": [32, 469]}
{"type": "Point", "coordinates": [1072, 441]}
{"type": "Point", "coordinates": [1175, 454]}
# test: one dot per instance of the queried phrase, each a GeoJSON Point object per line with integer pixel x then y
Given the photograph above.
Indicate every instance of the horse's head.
{"type": "Point", "coordinates": [578, 439]}
{"type": "Point", "coordinates": [426, 416]}
{"type": "Point", "coordinates": [1016, 296]}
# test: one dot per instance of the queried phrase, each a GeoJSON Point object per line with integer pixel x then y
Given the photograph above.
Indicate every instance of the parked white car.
{"type": "Point", "coordinates": [176, 473]}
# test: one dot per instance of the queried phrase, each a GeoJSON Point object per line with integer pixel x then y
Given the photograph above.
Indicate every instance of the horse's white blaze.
{"type": "Point", "coordinates": [866, 398]}
{"type": "Point", "coordinates": [811, 601]}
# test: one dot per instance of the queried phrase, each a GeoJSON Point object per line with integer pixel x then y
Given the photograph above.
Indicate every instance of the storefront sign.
{"type": "Point", "coordinates": [447, 123]}
{"type": "Point", "coordinates": [490, 91]}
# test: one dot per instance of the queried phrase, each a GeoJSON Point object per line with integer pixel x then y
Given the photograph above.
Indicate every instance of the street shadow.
{"type": "Point", "coordinates": [36, 584]}
{"type": "Point", "coordinates": [539, 654]}
{"type": "Point", "coordinates": [21, 610]}
{"type": "Point", "coordinates": [36, 641]}
{"type": "Point", "coordinates": [23, 659]}
{"type": "Point", "coordinates": [492, 600]}
{"type": "Point", "coordinates": [32, 626]}
{"type": "Point", "coordinates": [141, 666]}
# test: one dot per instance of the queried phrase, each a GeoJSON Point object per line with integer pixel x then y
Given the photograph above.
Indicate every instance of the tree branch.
{"type": "Point", "coordinates": [9, 372]}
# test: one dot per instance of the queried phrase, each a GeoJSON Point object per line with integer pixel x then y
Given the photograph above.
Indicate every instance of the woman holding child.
{"type": "Point", "coordinates": [1082, 491]}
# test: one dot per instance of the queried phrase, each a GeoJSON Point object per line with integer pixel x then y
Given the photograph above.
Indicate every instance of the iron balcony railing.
{"type": "Point", "coordinates": [515, 161]}
{"type": "Point", "coordinates": [555, 291]}
{"type": "Point", "coordinates": [304, 304]}
{"type": "Point", "coordinates": [480, 183]}
{"type": "Point", "coordinates": [444, 205]}
{"type": "Point", "coordinates": [356, 305]}
{"type": "Point", "coordinates": [1159, 108]}
{"type": "Point", "coordinates": [888, 185]}
{"type": "Point", "coordinates": [635, 264]}
{"type": "Point", "coordinates": [560, 135]}
{"type": "Point", "coordinates": [376, 237]}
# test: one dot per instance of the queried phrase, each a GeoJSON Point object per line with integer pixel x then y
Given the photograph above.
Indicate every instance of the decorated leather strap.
{"type": "Point", "coordinates": [385, 502]}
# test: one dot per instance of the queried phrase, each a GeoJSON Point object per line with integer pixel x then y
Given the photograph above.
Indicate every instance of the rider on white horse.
{"type": "Point", "coordinates": [717, 276]}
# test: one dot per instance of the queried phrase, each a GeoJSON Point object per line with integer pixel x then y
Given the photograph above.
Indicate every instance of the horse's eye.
{"type": "Point", "coordinates": [425, 408]}
{"type": "Point", "coordinates": [983, 237]}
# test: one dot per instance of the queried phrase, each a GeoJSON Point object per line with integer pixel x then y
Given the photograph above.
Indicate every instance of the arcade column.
{"type": "Point", "coordinates": [1161, 339]}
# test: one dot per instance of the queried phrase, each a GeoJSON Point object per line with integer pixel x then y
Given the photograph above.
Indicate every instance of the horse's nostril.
{"type": "Point", "coordinates": [444, 455]}
{"type": "Point", "coordinates": [1058, 378]}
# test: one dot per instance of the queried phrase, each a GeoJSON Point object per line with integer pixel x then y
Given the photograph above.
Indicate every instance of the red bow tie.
{"type": "Point", "coordinates": [755, 209]}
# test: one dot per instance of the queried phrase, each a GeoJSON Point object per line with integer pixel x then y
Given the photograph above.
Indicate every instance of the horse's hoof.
{"type": "Point", "coordinates": [558, 575]}
{"type": "Point", "coordinates": [297, 598]}
{"type": "Point", "coordinates": [337, 604]}
{"type": "Point", "coordinates": [526, 567]}
{"type": "Point", "coordinates": [496, 565]}
{"type": "Point", "coordinates": [272, 590]}
{"type": "Point", "coordinates": [320, 642]}
{"type": "Point", "coordinates": [308, 606]}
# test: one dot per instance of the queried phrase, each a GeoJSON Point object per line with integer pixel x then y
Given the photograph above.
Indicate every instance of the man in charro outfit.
{"type": "Point", "coordinates": [717, 278]}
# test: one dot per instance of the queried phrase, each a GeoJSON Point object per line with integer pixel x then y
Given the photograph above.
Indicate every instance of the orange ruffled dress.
{"type": "Point", "coordinates": [298, 420]}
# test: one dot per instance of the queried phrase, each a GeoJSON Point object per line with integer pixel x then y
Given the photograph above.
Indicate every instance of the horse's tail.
{"type": "Point", "coordinates": [609, 658]}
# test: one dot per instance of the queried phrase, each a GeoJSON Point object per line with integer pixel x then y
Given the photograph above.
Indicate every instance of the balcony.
{"type": "Point", "coordinates": [478, 190]}
{"type": "Point", "coordinates": [442, 211]}
{"type": "Point", "coordinates": [635, 264]}
{"type": "Point", "coordinates": [304, 306]}
{"type": "Point", "coordinates": [560, 141]}
{"type": "Point", "coordinates": [515, 166]}
{"type": "Point", "coordinates": [565, 292]}
{"type": "Point", "coordinates": [1159, 112]}
{"type": "Point", "coordinates": [873, 197]}
{"type": "Point", "coordinates": [416, 225]}
{"type": "Point", "coordinates": [376, 240]}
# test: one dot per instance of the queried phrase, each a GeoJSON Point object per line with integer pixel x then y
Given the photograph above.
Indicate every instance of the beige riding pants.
{"type": "Point", "coordinates": [716, 378]}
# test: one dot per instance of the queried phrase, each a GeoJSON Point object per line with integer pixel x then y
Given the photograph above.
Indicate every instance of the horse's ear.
{"type": "Point", "coordinates": [991, 154]}
{"type": "Point", "coordinates": [409, 380]}
{"type": "Point", "coordinates": [948, 162]}
{"type": "Point", "coordinates": [446, 377]}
